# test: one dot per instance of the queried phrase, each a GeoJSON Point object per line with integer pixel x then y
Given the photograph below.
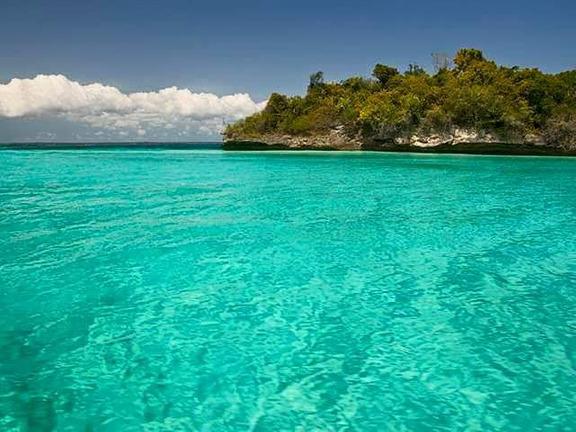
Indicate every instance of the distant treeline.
{"type": "Point", "coordinates": [469, 91]}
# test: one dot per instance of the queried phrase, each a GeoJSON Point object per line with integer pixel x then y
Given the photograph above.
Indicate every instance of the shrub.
{"type": "Point", "coordinates": [476, 94]}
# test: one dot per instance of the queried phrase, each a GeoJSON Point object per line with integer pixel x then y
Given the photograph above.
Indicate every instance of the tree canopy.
{"type": "Point", "coordinates": [476, 93]}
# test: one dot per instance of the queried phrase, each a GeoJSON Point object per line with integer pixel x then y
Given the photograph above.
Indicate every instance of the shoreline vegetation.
{"type": "Point", "coordinates": [469, 105]}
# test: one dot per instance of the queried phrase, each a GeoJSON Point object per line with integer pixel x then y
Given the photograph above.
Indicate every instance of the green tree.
{"type": "Point", "coordinates": [384, 73]}
{"type": "Point", "coordinates": [414, 69]}
{"type": "Point", "coordinates": [476, 94]}
{"type": "Point", "coordinates": [277, 103]}
{"type": "Point", "coordinates": [466, 57]}
{"type": "Point", "coordinates": [316, 80]}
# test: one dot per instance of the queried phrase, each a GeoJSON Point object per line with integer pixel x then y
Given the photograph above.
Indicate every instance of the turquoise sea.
{"type": "Point", "coordinates": [201, 290]}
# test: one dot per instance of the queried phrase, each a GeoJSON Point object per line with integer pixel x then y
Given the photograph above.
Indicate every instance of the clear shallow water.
{"type": "Point", "coordinates": [200, 290]}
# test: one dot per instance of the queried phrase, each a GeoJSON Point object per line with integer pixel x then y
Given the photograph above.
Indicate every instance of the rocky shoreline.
{"type": "Point", "coordinates": [457, 141]}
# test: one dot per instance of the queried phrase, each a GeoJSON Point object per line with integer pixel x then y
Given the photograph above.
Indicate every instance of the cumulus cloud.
{"type": "Point", "coordinates": [107, 107]}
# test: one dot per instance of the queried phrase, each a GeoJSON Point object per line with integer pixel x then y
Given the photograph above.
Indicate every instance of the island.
{"type": "Point", "coordinates": [468, 105]}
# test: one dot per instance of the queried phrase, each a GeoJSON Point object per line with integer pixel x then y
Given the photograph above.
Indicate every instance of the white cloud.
{"type": "Point", "coordinates": [107, 107]}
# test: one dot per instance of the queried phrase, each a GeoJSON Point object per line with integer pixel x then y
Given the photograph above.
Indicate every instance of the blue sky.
{"type": "Point", "coordinates": [254, 47]}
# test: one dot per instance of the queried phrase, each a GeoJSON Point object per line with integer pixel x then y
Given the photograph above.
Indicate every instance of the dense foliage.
{"type": "Point", "coordinates": [474, 93]}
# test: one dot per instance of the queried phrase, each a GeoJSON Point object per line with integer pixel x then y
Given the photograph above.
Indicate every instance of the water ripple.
{"type": "Point", "coordinates": [210, 291]}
